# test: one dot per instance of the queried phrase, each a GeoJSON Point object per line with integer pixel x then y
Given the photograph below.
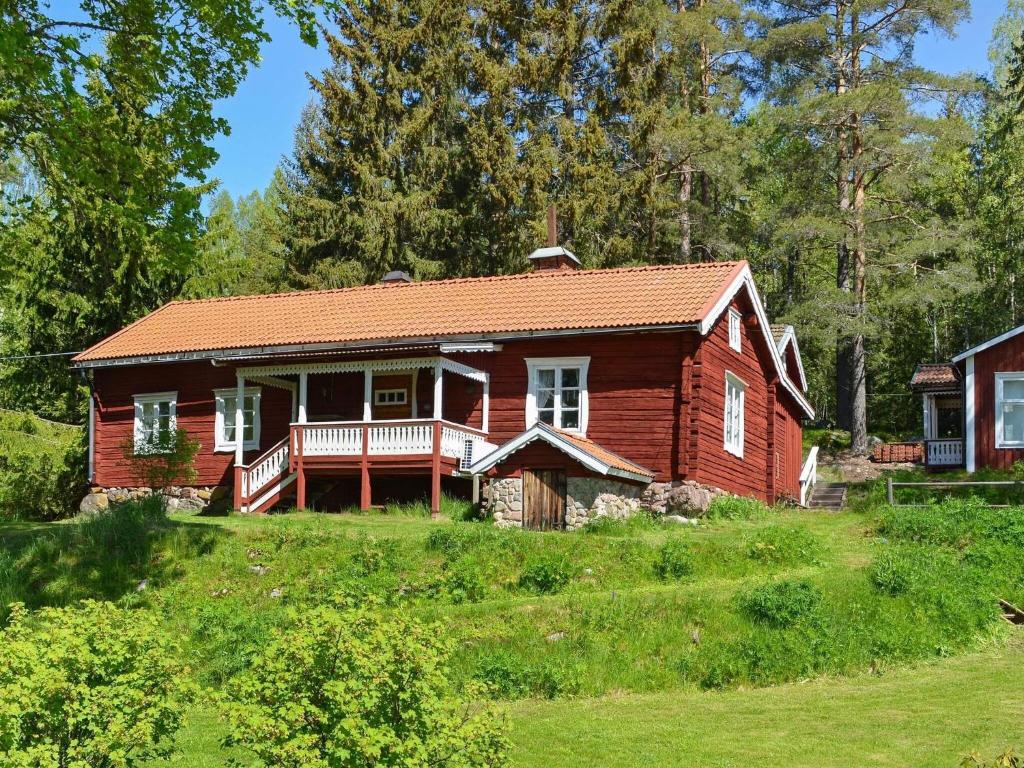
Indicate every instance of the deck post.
{"type": "Point", "coordinates": [303, 392]}
{"type": "Point", "coordinates": [486, 417]}
{"type": "Point", "coordinates": [368, 394]}
{"type": "Point", "coordinates": [438, 389]}
{"type": "Point", "coordinates": [435, 471]}
{"type": "Point", "coordinates": [300, 472]}
{"type": "Point", "coordinates": [365, 494]}
{"type": "Point", "coordinates": [239, 437]}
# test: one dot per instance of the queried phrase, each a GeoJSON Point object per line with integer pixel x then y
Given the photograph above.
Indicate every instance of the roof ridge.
{"type": "Point", "coordinates": [460, 280]}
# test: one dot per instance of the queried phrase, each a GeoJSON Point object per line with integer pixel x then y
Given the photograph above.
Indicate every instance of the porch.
{"type": "Point", "coordinates": [942, 414]}
{"type": "Point", "coordinates": [390, 438]}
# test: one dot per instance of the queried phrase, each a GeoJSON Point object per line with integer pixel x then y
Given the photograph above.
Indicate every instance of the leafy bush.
{"type": "Point", "coordinates": [780, 545]}
{"type": "Point", "coordinates": [42, 468]}
{"type": "Point", "coordinates": [781, 603]}
{"type": "Point", "coordinates": [506, 676]}
{"type": "Point", "coordinates": [373, 555]}
{"type": "Point", "coordinates": [353, 687]}
{"type": "Point", "coordinates": [90, 685]}
{"type": "Point", "coordinates": [167, 459]}
{"type": "Point", "coordinates": [546, 574]}
{"type": "Point", "coordinates": [736, 508]}
{"type": "Point", "coordinates": [464, 581]}
{"type": "Point", "coordinates": [674, 560]}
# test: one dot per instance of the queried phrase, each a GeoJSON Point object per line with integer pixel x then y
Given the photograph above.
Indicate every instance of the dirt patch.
{"type": "Point", "coordinates": [853, 468]}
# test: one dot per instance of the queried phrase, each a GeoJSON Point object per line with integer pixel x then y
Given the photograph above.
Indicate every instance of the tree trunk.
{"type": "Point", "coordinates": [858, 372]}
{"type": "Point", "coordinates": [685, 225]}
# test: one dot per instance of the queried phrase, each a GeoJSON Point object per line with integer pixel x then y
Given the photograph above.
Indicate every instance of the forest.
{"type": "Point", "coordinates": [879, 203]}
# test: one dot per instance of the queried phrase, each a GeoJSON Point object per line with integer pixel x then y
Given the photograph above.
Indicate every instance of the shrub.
{"type": "Point", "coordinates": [90, 685]}
{"type": "Point", "coordinates": [506, 676]}
{"type": "Point", "coordinates": [42, 467]}
{"type": "Point", "coordinates": [464, 582]}
{"type": "Point", "coordinates": [374, 555]}
{"type": "Point", "coordinates": [674, 560]}
{"type": "Point", "coordinates": [779, 545]}
{"type": "Point", "coordinates": [546, 574]}
{"type": "Point", "coordinates": [781, 603]}
{"type": "Point", "coordinates": [353, 687]}
{"type": "Point", "coordinates": [168, 459]}
{"type": "Point", "coordinates": [736, 508]}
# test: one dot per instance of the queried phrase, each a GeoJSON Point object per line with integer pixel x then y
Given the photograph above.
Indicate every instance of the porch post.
{"type": "Point", "coordinates": [303, 392]}
{"type": "Point", "coordinates": [365, 497]}
{"type": "Point", "coordinates": [239, 438]}
{"type": "Point", "coordinates": [438, 389]}
{"type": "Point", "coordinates": [485, 419]}
{"type": "Point", "coordinates": [300, 471]}
{"type": "Point", "coordinates": [367, 393]}
{"type": "Point", "coordinates": [435, 470]}
{"type": "Point", "coordinates": [968, 405]}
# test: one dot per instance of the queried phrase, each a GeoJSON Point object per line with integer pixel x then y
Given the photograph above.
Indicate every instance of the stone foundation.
{"type": "Point", "coordinates": [207, 499]}
{"type": "Point", "coordinates": [589, 498]}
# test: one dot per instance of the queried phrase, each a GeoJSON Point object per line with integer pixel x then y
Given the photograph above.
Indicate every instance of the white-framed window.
{"type": "Point", "coordinates": [227, 429]}
{"type": "Point", "coordinates": [735, 334]}
{"type": "Point", "coordinates": [1010, 410]}
{"type": "Point", "coordinates": [156, 418]}
{"type": "Point", "coordinates": [391, 397]}
{"type": "Point", "coordinates": [557, 392]}
{"type": "Point", "coordinates": [735, 393]}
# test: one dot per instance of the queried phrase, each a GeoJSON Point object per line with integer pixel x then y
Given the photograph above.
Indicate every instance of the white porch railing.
{"type": "Point", "coordinates": [944, 453]}
{"type": "Point", "coordinates": [265, 470]}
{"type": "Point", "coordinates": [328, 440]}
{"type": "Point", "coordinates": [808, 475]}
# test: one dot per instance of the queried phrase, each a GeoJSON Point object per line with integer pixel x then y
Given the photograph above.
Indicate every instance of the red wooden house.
{"type": "Point", "coordinates": [974, 405]}
{"type": "Point", "coordinates": [568, 392]}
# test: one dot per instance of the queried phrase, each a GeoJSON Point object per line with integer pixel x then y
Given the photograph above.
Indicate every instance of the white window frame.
{"type": "Point", "coordinates": [380, 397]}
{"type": "Point", "coordinates": [735, 330]}
{"type": "Point", "coordinates": [140, 445]}
{"type": "Point", "coordinates": [228, 446]}
{"type": "Point", "coordinates": [535, 364]}
{"type": "Point", "coordinates": [733, 438]}
{"type": "Point", "coordinates": [1000, 379]}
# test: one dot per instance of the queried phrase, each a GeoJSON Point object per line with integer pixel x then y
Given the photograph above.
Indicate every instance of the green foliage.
{"type": "Point", "coordinates": [674, 560]}
{"type": "Point", "coordinates": [41, 467]}
{"type": "Point", "coordinates": [88, 685]}
{"type": "Point", "coordinates": [781, 603]}
{"type": "Point", "coordinates": [736, 508]}
{"type": "Point", "coordinates": [783, 546]}
{"type": "Point", "coordinates": [168, 459]}
{"type": "Point", "coordinates": [508, 676]}
{"type": "Point", "coordinates": [1008, 759]}
{"type": "Point", "coordinates": [353, 687]}
{"type": "Point", "coordinates": [546, 574]}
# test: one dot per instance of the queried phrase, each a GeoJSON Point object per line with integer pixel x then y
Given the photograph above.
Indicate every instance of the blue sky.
{"type": "Point", "coordinates": [265, 110]}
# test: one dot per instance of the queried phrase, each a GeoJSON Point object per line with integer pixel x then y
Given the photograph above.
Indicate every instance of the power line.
{"type": "Point", "coordinates": [38, 355]}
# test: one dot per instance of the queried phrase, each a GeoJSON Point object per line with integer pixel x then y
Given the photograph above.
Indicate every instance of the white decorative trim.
{"type": "Point", "coordinates": [220, 445]}
{"type": "Point", "coordinates": [273, 381]}
{"type": "Point", "coordinates": [355, 366]}
{"type": "Point", "coordinates": [148, 398]}
{"type": "Point", "coordinates": [989, 344]}
{"type": "Point", "coordinates": [734, 382]}
{"type": "Point", "coordinates": [540, 431]}
{"type": "Point", "coordinates": [1000, 377]}
{"type": "Point", "coordinates": [789, 337]}
{"type": "Point", "coordinates": [533, 364]}
{"type": "Point", "coordinates": [735, 330]}
{"type": "Point", "coordinates": [469, 346]}
{"type": "Point", "coordinates": [92, 436]}
{"type": "Point", "coordinates": [970, 438]}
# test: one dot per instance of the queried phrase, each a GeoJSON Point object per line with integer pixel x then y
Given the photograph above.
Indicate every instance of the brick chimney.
{"type": "Point", "coordinates": [553, 256]}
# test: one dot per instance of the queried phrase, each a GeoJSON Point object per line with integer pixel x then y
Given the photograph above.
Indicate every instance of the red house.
{"type": "Point", "coordinates": [569, 393]}
{"type": "Point", "coordinates": [974, 405]}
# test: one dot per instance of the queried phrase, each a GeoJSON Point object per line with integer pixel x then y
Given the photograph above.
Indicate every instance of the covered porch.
{"type": "Point", "coordinates": [941, 393]}
{"type": "Point", "coordinates": [425, 416]}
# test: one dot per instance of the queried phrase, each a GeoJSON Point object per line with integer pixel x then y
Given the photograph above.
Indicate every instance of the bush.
{"type": "Point", "coordinates": [546, 574]}
{"type": "Point", "coordinates": [781, 603]}
{"type": "Point", "coordinates": [90, 685]}
{"type": "Point", "coordinates": [736, 508]}
{"type": "Point", "coordinates": [674, 560]}
{"type": "Point", "coordinates": [464, 582]}
{"type": "Point", "coordinates": [42, 468]}
{"type": "Point", "coordinates": [353, 687]}
{"type": "Point", "coordinates": [779, 545]}
{"type": "Point", "coordinates": [505, 676]}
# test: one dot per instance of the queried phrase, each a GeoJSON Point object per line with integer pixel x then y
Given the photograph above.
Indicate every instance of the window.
{"type": "Point", "coordinates": [155, 421]}
{"type": "Point", "coordinates": [227, 429]}
{"type": "Point", "coordinates": [735, 390]}
{"type": "Point", "coordinates": [557, 392]}
{"type": "Point", "coordinates": [735, 336]}
{"type": "Point", "coordinates": [1009, 410]}
{"type": "Point", "coordinates": [391, 396]}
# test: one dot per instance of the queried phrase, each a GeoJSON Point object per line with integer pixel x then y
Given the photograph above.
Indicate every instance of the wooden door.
{"type": "Point", "coordinates": [392, 396]}
{"type": "Point", "coordinates": [544, 499]}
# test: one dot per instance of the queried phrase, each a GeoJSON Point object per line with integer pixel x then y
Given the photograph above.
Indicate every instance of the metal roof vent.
{"type": "Point", "coordinates": [395, 277]}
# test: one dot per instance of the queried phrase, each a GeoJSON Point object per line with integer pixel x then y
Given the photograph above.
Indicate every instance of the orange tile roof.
{"type": "Point", "coordinates": [930, 375]}
{"type": "Point", "coordinates": [603, 454]}
{"type": "Point", "coordinates": [538, 301]}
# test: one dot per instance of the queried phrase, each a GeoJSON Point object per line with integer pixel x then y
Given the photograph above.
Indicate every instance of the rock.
{"type": "Point", "coordinates": [695, 636]}
{"type": "Point", "coordinates": [276, 592]}
{"type": "Point", "coordinates": [220, 492]}
{"type": "Point", "coordinates": [141, 587]}
{"type": "Point", "coordinates": [253, 553]}
{"type": "Point", "coordinates": [554, 637]}
{"type": "Point", "coordinates": [94, 502]}
{"type": "Point", "coordinates": [259, 570]}
{"type": "Point", "coordinates": [204, 494]}
{"type": "Point", "coordinates": [678, 519]}
{"type": "Point", "coordinates": [171, 503]}
{"type": "Point", "coordinates": [588, 571]}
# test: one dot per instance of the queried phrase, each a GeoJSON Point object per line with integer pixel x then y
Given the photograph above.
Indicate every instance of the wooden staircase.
{"type": "Point", "coordinates": [830, 497]}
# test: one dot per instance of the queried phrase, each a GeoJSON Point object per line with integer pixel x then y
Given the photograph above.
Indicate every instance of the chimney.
{"type": "Point", "coordinates": [395, 277]}
{"type": "Point", "coordinates": [553, 257]}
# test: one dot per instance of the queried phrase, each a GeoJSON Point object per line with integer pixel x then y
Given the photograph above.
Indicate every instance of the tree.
{"type": "Point", "coordinates": [90, 685]}
{"type": "Point", "coordinates": [351, 687]}
{"type": "Point", "coordinates": [842, 74]}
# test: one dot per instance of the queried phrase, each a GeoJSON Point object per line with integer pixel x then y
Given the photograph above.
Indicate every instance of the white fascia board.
{"type": "Point", "coordinates": [988, 344]}
{"type": "Point", "coordinates": [789, 337]}
{"type": "Point", "coordinates": [746, 279]}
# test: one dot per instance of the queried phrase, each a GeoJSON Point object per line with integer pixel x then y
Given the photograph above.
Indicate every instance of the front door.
{"type": "Point", "coordinates": [543, 499]}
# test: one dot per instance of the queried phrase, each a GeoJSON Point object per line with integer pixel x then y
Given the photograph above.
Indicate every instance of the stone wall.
{"type": "Point", "coordinates": [588, 498]}
{"type": "Point", "coordinates": [209, 499]}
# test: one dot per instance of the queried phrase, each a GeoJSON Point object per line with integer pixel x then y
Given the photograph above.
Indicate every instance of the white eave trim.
{"type": "Point", "coordinates": [789, 337]}
{"type": "Point", "coordinates": [989, 344]}
{"type": "Point", "coordinates": [552, 438]}
{"type": "Point", "coordinates": [745, 279]}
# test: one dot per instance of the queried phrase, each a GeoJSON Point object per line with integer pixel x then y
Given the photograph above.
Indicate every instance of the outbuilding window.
{"type": "Point", "coordinates": [155, 421]}
{"type": "Point", "coordinates": [1009, 410]}
{"type": "Point", "coordinates": [557, 393]}
{"type": "Point", "coordinates": [227, 415]}
{"type": "Point", "coordinates": [391, 396]}
{"type": "Point", "coordinates": [735, 393]}
{"type": "Point", "coordinates": [735, 334]}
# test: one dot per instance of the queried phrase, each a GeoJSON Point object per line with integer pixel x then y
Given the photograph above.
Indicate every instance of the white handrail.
{"type": "Point", "coordinates": [265, 469]}
{"type": "Point", "coordinates": [808, 475]}
{"type": "Point", "coordinates": [947, 452]}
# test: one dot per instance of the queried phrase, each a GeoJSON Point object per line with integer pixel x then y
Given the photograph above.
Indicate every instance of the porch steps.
{"type": "Point", "coordinates": [830, 496]}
